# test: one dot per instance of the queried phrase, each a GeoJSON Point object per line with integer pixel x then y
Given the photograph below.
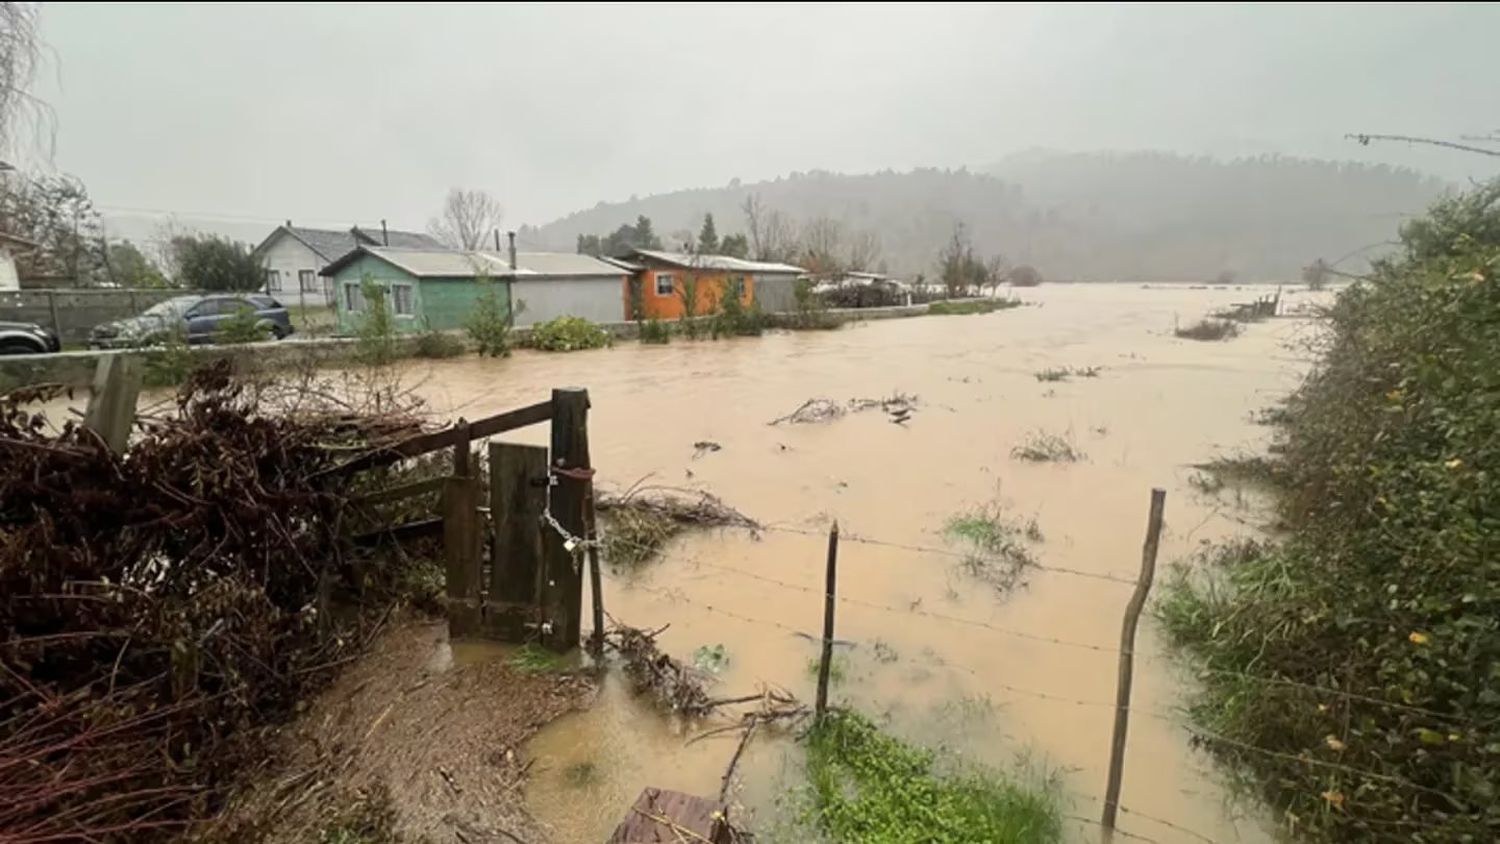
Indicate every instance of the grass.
{"type": "Point", "coordinates": [868, 787]}
{"type": "Point", "coordinates": [436, 344]}
{"type": "Point", "coordinates": [1063, 373]}
{"type": "Point", "coordinates": [838, 668]}
{"type": "Point", "coordinates": [1240, 470]}
{"type": "Point", "coordinates": [633, 535]}
{"type": "Point", "coordinates": [534, 659]}
{"type": "Point", "coordinates": [959, 307]}
{"type": "Point", "coordinates": [656, 332]}
{"type": "Point", "coordinates": [581, 774]}
{"type": "Point", "coordinates": [997, 551]}
{"type": "Point", "coordinates": [1042, 447]}
{"type": "Point", "coordinates": [1209, 330]}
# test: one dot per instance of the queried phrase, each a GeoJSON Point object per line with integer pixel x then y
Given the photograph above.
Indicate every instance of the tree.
{"type": "Point", "coordinates": [864, 250]}
{"type": "Point", "coordinates": [1315, 275]}
{"type": "Point", "coordinates": [961, 269]}
{"type": "Point", "coordinates": [211, 262]}
{"type": "Point", "coordinates": [127, 266]}
{"type": "Point", "coordinates": [708, 237]}
{"type": "Point", "coordinates": [20, 53]}
{"type": "Point", "coordinates": [56, 213]}
{"type": "Point", "coordinates": [623, 239]}
{"type": "Point", "coordinates": [823, 246]}
{"type": "Point", "coordinates": [1025, 276]}
{"type": "Point", "coordinates": [590, 244]}
{"type": "Point", "coordinates": [770, 232]}
{"type": "Point", "coordinates": [735, 246]}
{"type": "Point", "coordinates": [467, 218]}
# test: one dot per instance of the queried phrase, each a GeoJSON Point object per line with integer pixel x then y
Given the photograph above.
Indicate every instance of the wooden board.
{"type": "Point", "coordinates": [671, 817]}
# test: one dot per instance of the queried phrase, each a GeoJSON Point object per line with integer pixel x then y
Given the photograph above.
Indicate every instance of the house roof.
{"type": "Point", "coordinates": [714, 262]}
{"type": "Point", "coordinates": [454, 263]}
{"type": "Point", "coordinates": [333, 244]}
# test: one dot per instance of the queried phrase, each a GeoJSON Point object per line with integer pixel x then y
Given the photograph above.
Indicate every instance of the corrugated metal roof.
{"type": "Point", "coordinates": [716, 262]}
{"type": "Point", "coordinates": [398, 239]}
{"type": "Point", "coordinates": [560, 264]}
{"type": "Point", "coordinates": [440, 263]}
{"type": "Point", "coordinates": [333, 244]}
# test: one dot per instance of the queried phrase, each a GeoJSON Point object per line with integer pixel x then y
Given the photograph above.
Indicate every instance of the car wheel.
{"type": "Point", "coordinates": [19, 347]}
{"type": "Point", "coordinates": [278, 332]}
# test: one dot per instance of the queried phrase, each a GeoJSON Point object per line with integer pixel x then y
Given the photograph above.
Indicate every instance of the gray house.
{"type": "Point", "coordinates": [293, 257]}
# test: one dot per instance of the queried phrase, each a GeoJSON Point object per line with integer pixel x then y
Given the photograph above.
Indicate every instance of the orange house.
{"type": "Point", "coordinates": [666, 281]}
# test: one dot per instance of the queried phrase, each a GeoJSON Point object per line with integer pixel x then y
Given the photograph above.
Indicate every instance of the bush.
{"type": "Point", "coordinates": [376, 335]}
{"type": "Point", "coordinates": [810, 309]}
{"type": "Point", "coordinates": [171, 362]}
{"type": "Point", "coordinates": [243, 327]}
{"type": "Point", "coordinates": [432, 343]}
{"type": "Point", "coordinates": [568, 334]}
{"type": "Point", "coordinates": [1367, 643]}
{"type": "Point", "coordinates": [489, 325]}
{"type": "Point", "coordinates": [656, 332]}
{"type": "Point", "coordinates": [1209, 329]}
{"type": "Point", "coordinates": [733, 318]}
{"type": "Point", "coordinates": [957, 307]}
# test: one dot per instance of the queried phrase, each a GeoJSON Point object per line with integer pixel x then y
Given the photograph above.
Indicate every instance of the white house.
{"type": "Point", "coordinates": [293, 256]}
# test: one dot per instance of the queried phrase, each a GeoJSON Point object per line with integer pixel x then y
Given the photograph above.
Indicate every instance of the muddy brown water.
{"type": "Point", "coordinates": [1158, 405]}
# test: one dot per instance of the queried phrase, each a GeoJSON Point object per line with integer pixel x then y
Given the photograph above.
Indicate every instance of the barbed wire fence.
{"type": "Point", "coordinates": [1125, 652]}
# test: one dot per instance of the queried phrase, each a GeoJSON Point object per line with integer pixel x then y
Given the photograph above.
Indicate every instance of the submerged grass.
{"type": "Point", "coordinates": [1063, 373]}
{"type": "Point", "coordinates": [959, 307]}
{"type": "Point", "coordinates": [534, 659]}
{"type": "Point", "coordinates": [1044, 447]}
{"type": "Point", "coordinates": [868, 787]}
{"type": "Point", "coordinates": [996, 544]}
{"type": "Point", "coordinates": [634, 535]}
{"type": "Point", "coordinates": [1209, 330]}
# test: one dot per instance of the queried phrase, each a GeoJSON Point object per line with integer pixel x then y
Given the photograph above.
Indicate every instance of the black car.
{"type": "Point", "coordinates": [198, 318]}
{"type": "Point", "coordinates": [27, 338]}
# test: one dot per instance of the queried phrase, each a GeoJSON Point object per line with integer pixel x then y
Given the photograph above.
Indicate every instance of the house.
{"type": "Point", "coordinates": [293, 256]}
{"type": "Point", "coordinates": [663, 278]}
{"type": "Point", "coordinates": [438, 288]}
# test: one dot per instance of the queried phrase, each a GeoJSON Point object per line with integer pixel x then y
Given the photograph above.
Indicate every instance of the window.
{"type": "Point", "coordinates": [308, 281]}
{"type": "Point", "coordinates": [354, 300]}
{"type": "Point", "coordinates": [273, 281]}
{"type": "Point", "coordinates": [401, 299]}
{"type": "Point", "coordinates": [665, 284]}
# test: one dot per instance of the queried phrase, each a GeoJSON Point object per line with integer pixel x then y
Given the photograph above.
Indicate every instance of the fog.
{"type": "Point", "coordinates": [333, 114]}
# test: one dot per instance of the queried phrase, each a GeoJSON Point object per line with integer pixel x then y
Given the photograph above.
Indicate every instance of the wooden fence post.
{"type": "Point", "coordinates": [1127, 654]}
{"type": "Point", "coordinates": [562, 581]}
{"type": "Point", "coordinates": [596, 580]}
{"type": "Point", "coordinates": [461, 553]}
{"type": "Point", "coordinates": [462, 464]}
{"type": "Point", "coordinates": [111, 408]}
{"type": "Point", "coordinates": [826, 664]}
{"type": "Point", "coordinates": [518, 496]}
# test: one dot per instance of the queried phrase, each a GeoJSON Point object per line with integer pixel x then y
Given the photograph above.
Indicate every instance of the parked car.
{"type": "Point", "coordinates": [27, 338]}
{"type": "Point", "coordinates": [199, 318]}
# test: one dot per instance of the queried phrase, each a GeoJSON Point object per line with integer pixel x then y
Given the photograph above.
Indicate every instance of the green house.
{"type": "Point", "coordinates": [425, 288]}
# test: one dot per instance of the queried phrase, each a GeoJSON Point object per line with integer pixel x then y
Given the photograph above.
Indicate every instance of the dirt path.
{"type": "Point", "coordinates": [409, 743]}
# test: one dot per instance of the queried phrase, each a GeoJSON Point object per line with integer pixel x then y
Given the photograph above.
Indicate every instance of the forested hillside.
{"type": "Point", "coordinates": [1093, 217]}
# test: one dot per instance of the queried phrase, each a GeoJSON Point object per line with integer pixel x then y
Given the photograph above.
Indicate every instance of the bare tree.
{"type": "Point", "coordinates": [20, 54]}
{"type": "Point", "coordinates": [823, 246]}
{"type": "Point", "coordinates": [467, 219]}
{"type": "Point", "coordinates": [772, 237]}
{"type": "Point", "coordinates": [864, 250]}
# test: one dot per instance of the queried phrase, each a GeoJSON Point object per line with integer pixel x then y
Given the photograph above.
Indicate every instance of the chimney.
{"type": "Point", "coordinates": [512, 236]}
{"type": "Point", "coordinates": [385, 237]}
{"type": "Point", "coordinates": [497, 240]}
{"type": "Point", "coordinates": [288, 223]}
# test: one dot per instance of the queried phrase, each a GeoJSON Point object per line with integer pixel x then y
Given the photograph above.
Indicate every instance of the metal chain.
{"type": "Point", "coordinates": [575, 545]}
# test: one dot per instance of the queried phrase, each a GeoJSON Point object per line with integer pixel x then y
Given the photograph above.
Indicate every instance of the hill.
{"type": "Point", "coordinates": [1088, 216]}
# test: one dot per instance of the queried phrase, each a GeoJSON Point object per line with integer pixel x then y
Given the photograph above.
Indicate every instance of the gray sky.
{"type": "Point", "coordinates": [332, 114]}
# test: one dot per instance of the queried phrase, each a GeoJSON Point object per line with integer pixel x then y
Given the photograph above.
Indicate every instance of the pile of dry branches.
{"type": "Point", "coordinates": [897, 406]}
{"type": "Point", "coordinates": [639, 521]}
{"type": "Point", "coordinates": [675, 685]}
{"type": "Point", "coordinates": [158, 606]}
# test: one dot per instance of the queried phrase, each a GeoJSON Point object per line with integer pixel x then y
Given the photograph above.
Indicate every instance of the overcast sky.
{"type": "Point", "coordinates": [335, 114]}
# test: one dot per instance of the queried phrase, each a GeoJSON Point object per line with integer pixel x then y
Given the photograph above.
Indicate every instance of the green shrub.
{"type": "Point", "coordinates": [656, 332]}
{"type": "Point", "coordinates": [243, 327]}
{"type": "Point", "coordinates": [432, 343]}
{"type": "Point", "coordinates": [170, 363]}
{"type": "Point", "coordinates": [810, 309]}
{"type": "Point", "coordinates": [490, 322]}
{"type": "Point", "coordinates": [376, 334]}
{"type": "Point", "coordinates": [952, 307]}
{"type": "Point", "coordinates": [567, 334]}
{"type": "Point", "coordinates": [867, 787]}
{"type": "Point", "coordinates": [734, 318]}
{"type": "Point", "coordinates": [1368, 641]}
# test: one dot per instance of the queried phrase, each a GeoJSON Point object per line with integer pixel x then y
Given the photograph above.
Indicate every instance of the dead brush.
{"type": "Point", "coordinates": [1044, 447]}
{"type": "Point", "coordinates": [643, 519]}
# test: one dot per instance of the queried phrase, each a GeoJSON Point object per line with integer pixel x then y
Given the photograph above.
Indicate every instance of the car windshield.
{"type": "Point", "coordinates": [176, 306]}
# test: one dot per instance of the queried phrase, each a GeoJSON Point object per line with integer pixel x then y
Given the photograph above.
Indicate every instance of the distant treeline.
{"type": "Point", "coordinates": [1091, 217]}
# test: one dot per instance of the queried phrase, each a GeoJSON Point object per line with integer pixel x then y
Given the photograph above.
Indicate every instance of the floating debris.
{"type": "Point", "coordinates": [703, 447]}
{"type": "Point", "coordinates": [899, 406]}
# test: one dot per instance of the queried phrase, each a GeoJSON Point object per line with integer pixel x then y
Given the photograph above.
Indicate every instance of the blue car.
{"type": "Point", "coordinates": [198, 318]}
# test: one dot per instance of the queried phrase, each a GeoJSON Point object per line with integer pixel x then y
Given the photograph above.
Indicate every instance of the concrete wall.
{"type": "Point", "coordinates": [599, 299]}
{"type": "Point", "coordinates": [289, 257]}
{"type": "Point", "coordinates": [71, 313]}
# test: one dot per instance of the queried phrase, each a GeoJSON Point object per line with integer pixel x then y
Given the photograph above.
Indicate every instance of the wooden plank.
{"type": "Point", "coordinates": [396, 493]}
{"type": "Point", "coordinates": [659, 816]}
{"type": "Point", "coordinates": [420, 529]}
{"type": "Point", "coordinates": [518, 495]}
{"type": "Point", "coordinates": [427, 443]}
{"type": "Point", "coordinates": [562, 577]}
{"type": "Point", "coordinates": [461, 554]}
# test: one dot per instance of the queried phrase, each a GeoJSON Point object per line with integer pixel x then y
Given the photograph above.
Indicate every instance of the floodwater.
{"type": "Point", "coordinates": [1158, 405]}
